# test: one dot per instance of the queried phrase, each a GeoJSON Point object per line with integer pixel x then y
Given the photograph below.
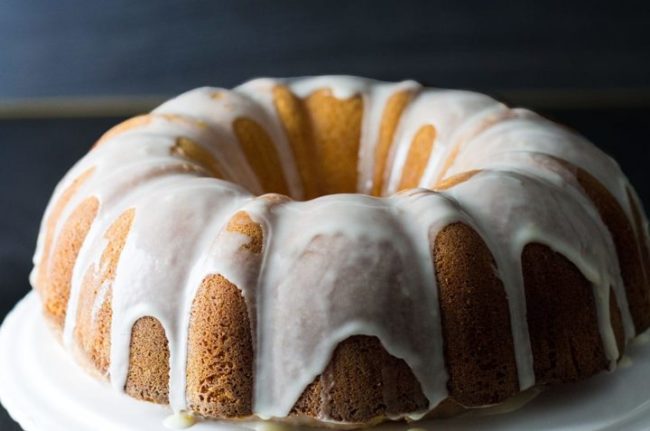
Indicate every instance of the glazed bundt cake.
{"type": "Point", "coordinates": [343, 251]}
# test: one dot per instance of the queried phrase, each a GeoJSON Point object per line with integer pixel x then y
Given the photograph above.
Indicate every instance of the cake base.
{"type": "Point", "coordinates": [43, 389]}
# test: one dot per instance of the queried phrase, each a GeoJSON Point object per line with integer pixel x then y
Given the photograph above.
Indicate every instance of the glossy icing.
{"type": "Point", "coordinates": [181, 211]}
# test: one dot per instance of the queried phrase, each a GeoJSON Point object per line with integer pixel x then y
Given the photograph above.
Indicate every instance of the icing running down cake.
{"type": "Point", "coordinates": [336, 250]}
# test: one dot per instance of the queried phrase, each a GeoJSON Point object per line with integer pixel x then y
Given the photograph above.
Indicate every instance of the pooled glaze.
{"type": "Point", "coordinates": [178, 235]}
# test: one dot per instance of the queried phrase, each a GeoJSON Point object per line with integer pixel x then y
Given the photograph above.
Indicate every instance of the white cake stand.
{"type": "Point", "coordinates": [44, 390]}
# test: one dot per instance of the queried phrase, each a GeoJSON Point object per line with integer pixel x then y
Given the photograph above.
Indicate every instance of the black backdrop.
{"type": "Point", "coordinates": [143, 47]}
{"type": "Point", "coordinates": [583, 64]}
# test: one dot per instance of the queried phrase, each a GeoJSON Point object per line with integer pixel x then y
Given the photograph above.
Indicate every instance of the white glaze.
{"type": "Point", "coordinates": [446, 110]}
{"type": "Point", "coordinates": [178, 234]}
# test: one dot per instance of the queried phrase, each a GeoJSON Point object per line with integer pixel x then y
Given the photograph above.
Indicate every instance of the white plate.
{"type": "Point", "coordinates": [44, 390]}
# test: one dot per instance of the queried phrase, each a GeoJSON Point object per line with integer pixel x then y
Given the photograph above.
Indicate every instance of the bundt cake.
{"type": "Point", "coordinates": [336, 250]}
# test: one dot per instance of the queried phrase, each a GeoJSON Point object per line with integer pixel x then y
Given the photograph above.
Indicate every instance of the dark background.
{"type": "Point", "coordinates": [71, 69]}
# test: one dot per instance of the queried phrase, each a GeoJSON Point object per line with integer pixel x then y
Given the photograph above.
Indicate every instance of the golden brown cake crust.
{"type": "Point", "coordinates": [189, 149]}
{"type": "Point", "coordinates": [642, 243]}
{"type": "Point", "coordinates": [148, 374]}
{"type": "Point", "coordinates": [567, 347]}
{"type": "Point", "coordinates": [627, 246]}
{"type": "Point", "coordinates": [326, 129]}
{"type": "Point", "coordinates": [293, 114]}
{"type": "Point", "coordinates": [477, 336]}
{"type": "Point", "coordinates": [220, 352]}
{"type": "Point", "coordinates": [220, 345]}
{"type": "Point", "coordinates": [57, 290]}
{"type": "Point", "coordinates": [243, 224]}
{"type": "Point", "coordinates": [261, 154]}
{"type": "Point", "coordinates": [390, 119]}
{"type": "Point", "coordinates": [336, 127]}
{"type": "Point", "coordinates": [93, 333]}
{"type": "Point", "coordinates": [455, 179]}
{"type": "Point", "coordinates": [418, 157]}
{"type": "Point", "coordinates": [362, 383]}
